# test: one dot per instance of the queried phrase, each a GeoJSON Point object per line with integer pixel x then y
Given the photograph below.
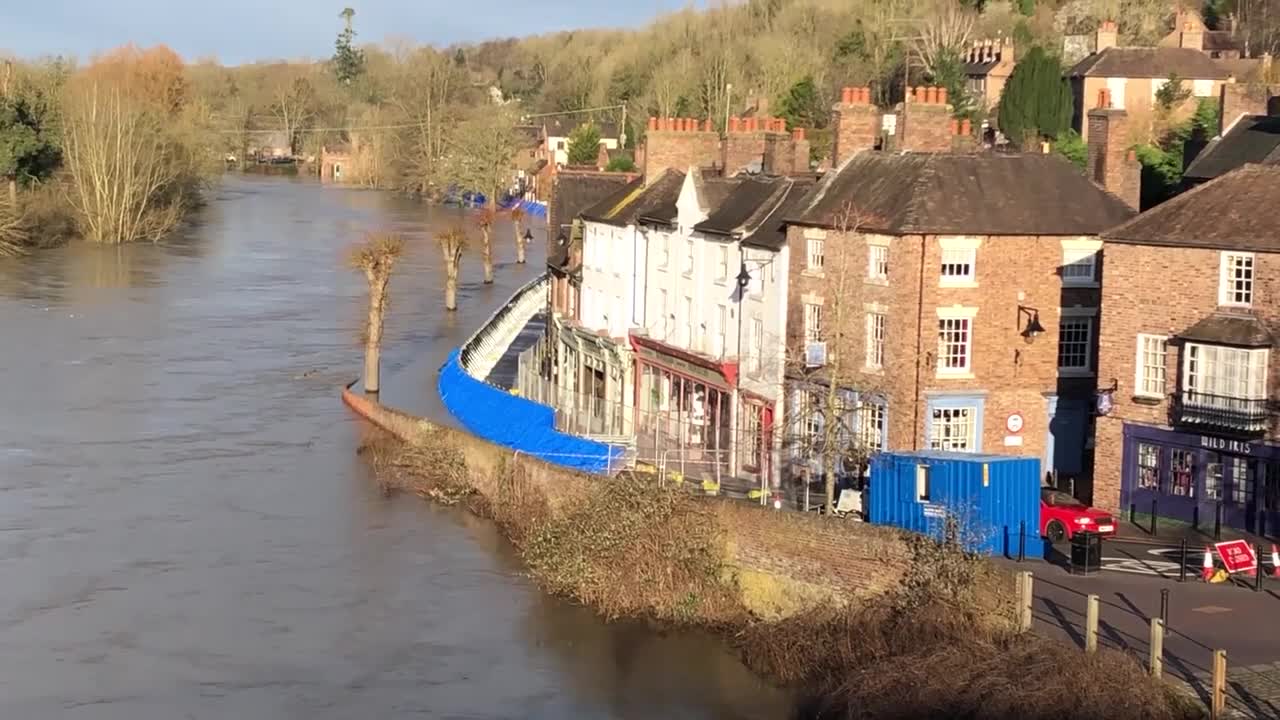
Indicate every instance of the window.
{"type": "Point", "coordinates": [1213, 477]}
{"type": "Point", "coordinates": [955, 342]}
{"type": "Point", "coordinates": [722, 262]}
{"type": "Point", "coordinates": [751, 430]}
{"type": "Point", "coordinates": [878, 262]}
{"type": "Point", "coordinates": [875, 340]}
{"type": "Point", "coordinates": [1074, 337]}
{"type": "Point", "coordinates": [953, 429]}
{"type": "Point", "coordinates": [871, 427]}
{"type": "Point", "coordinates": [559, 144]}
{"type": "Point", "coordinates": [812, 322]}
{"type": "Point", "coordinates": [665, 320]}
{"type": "Point", "coordinates": [1148, 467]}
{"type": "Point", "coordinates": [687, 268]}
{"type": "Point", "coordinates": [1225, 373]}
{"type": "Point", "coordinates": [1235, 281]}
{"type": "Point", "coordinates": [957, 265]}
{"type": "Point", "coordinates": [922, 483]}
{"type": "Point", "coordinates": [722, 321]}
{"type": "Point", "coordinates": [688, 322]}
{"type": "Point", "coordinates": [1182, 473]}
{"type": "Point", "coordinates": [757, 344]}
{"type": "Point", "coordinates": [664, 251]}
{"type": "Point", "coordinates": [1079, 266]}
{"type": "Point", "coordinates": [815, 254]}
{"type": "Point", "coordinates": [1152, 352]}
{"type": "Point", "coordinates": [1242, 481]}
{"type": "Point", "coordinates": [810, 420]}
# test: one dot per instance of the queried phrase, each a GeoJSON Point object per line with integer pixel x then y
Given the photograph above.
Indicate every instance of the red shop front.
{"type": "Point", "coordinates": [683, 413]}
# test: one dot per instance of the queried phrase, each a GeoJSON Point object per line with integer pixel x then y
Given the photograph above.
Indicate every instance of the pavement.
{"type": "Point", "coordinates": [1202, 617]}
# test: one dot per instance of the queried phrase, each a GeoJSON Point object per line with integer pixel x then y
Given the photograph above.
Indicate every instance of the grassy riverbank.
{"type": "Point", "coordinates": [867, 621]}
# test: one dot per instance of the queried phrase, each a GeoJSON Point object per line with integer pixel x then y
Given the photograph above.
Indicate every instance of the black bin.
{"type": "Point", "coordinates": [1086, 553]}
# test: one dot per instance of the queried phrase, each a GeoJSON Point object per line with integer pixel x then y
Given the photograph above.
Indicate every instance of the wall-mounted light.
{"type": "Point", "coordinates": [560, 239]}
{"type": "Point", "coordinates": [1032, 329]}
{"type": "Point", "coordinates": [528, 236]}
{"type": "Point", "coordinates": [744, 277]}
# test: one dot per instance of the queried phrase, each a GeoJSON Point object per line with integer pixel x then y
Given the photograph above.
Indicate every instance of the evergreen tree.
{"type": "Point", "coordinates": [1036, 102]}
{"type": "Point", "coordinates": [348, 61]}
{"type": "Point", "coordinates": [584, 145]}
{"type": "Point", "coordinates": [801, 106]}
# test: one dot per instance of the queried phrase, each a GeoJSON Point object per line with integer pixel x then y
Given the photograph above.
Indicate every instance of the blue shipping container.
{"type": "Point", "coordinates": [992, 497]}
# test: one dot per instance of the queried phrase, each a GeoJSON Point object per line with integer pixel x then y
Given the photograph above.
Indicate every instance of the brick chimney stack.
{"type": "Point", "coordinates": [1111, 161]}
{"type": "Point", "coordinates": [678, 143]}
{"type": "Point", "coordinates": [1192, 36]}
{"type": "Point", "coordinates": [924, 121]}
{"type": "Point", "coordinates": [856, 124]}
{"type": "Point", "coordinates": [763, 140]}
{"type": "Point", "coordinates": [1108, 35]}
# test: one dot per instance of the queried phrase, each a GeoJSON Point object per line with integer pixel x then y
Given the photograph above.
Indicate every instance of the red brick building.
{"type": "Point", "coordinates": [953, 300]}
{"type": "Point", "coordinates": [1190, 314]}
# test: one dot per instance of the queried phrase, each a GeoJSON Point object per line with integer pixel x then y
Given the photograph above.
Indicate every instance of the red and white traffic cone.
{"type": "Point", "coordinates": [1206, 570]}
{"type": "Point", "coordinates": [1275, 561]}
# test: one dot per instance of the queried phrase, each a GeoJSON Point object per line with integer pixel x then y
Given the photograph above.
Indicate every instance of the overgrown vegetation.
{"type": "Point", "coordinates": [1164, 160]}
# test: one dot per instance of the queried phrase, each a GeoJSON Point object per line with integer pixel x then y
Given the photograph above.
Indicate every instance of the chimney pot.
{"type": "Point", "coordinates": [671, 123]}
{"type": "Point", "coordinates": [734, 124]}
{"type": "Point", "coordinates": [1131, 156]}
{"type": "Point", "coordinates": [797, 134]}
{"type": "Point", "coordinates": [653, 123]}
{"type": "Point", "coordinates": [753, 124]}
{"type": "Point", "coordinates": [942, 95]}
{"type": "Point", "coordinates": [966, 128]}
{"type": "Point", "coordinates": [690, 124]}
{"type": "Point", "coordinates": [955, 126]}
{"type": "Point", "coordinates": [918, 94]}
{"type": "Point", "coordinates": [846, 96]}
{"type": "Point", "coordinates": [706, 125]}
{"type": "Point", "coordinates": [931, 95]}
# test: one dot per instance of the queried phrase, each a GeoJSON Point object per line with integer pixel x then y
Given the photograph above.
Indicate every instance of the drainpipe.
{"type": "Point", "coordinates": [915, 397]}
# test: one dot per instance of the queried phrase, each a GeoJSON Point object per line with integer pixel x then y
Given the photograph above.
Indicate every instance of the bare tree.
{"type": "Point", "coordinates": [485, 221]}
{"type": "Point", "coordinates": [425, 89]}
{"type": "Point", "coordinates": [482, 153]}
{"type": "Point", "coordinates": [376, 258]}
{"type": "Point", "coordinates": [121, 166]}
{"type": "Point", "coordinates": [944, 31]}
{"type": "Point", "coordinates": [517, 219]}
{"type": "Point", "coordinates": [830, 424]}
{"type": "Point", "coordinates": [295, 105]}
{"type": "Point", "coordinates": [13, 231]}
{"type": "Point", "coordinates": [452, 243]}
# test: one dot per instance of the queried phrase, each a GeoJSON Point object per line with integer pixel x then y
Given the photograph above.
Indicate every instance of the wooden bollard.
{"type": "Point", "coordinates": [1157, 647]}
{"type": "Point", "coordinates": [1218, 702]}
{"type": "Point", "coordinates": [1091, 625]}
{"type": "Point", "coordinates": [1026, 596]}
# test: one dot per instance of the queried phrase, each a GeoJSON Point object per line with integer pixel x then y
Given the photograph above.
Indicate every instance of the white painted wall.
{"type": "Point", "coordinates": [609, 278]}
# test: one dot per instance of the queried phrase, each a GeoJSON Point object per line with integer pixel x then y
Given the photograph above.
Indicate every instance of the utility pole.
{"type": "Point", "coordinates": [728, 93]}
{"type": "Point", "coordinates": [907, 47]}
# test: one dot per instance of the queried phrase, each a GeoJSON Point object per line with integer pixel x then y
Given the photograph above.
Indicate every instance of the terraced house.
{"type": "Point", "coordinates": [1190, 317]}
{"type": "Point", "coordinates": [952, 300]}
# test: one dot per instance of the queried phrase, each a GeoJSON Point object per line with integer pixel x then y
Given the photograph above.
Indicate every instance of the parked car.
{"type": "Point", "coordinates": [1062, 516]}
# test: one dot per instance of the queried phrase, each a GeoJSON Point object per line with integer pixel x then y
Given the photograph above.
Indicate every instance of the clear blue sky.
{"type": "Point", "coordinates": [239, 31]}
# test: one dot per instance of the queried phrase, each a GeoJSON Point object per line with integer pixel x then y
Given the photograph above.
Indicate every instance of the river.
{"type": "Point", "coordinates": [186, 530]}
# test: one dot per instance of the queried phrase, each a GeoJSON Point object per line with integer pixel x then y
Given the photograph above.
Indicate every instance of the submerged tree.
{"type": "Point", "coordinates": [376, 257]}
{"type": "Point", "coordinates": [517, 219]}
{"type": "Point", "coordinates": [485, 222]}
{"type": "Point", "coordinates": [452, 242]}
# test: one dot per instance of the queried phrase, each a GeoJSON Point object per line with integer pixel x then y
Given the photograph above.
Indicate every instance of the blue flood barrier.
{"type": "Point", "coordinates": [519, 423]}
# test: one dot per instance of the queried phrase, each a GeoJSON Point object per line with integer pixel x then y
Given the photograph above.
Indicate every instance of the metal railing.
{"type": "Point", "coordinates": [482, 351]}
{"type": "Point", "coordinates": [1249, 416]}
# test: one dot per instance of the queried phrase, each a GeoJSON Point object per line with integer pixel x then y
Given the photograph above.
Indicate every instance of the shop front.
{"type": "Point", "coordinates": [1187, 476]}
{"type": "Point", "coordinates": [684, 414]}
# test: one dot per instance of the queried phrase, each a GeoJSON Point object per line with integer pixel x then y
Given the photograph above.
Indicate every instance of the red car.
{"type": "Point", "coordinates": [1062, 516]}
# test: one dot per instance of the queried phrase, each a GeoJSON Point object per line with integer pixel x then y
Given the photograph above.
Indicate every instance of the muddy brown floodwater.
{"type": "Point", "coordinates": [186, 530]}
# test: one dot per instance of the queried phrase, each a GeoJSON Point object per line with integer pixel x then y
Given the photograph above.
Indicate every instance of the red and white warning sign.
{"type": "Point", "coordinates": [1237, 556]}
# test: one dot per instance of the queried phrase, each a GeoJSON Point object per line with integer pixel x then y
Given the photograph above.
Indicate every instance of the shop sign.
{"type": "Point", "coordinates": [1237, 555]}
{"type": "Point", "coordinates": [681, 366]}
{"type": "Point", "coordinates": [1231, 446]}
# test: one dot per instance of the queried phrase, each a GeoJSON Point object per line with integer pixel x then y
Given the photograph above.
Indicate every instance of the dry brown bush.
{"type": "Point", "coordinates": [632, 548]}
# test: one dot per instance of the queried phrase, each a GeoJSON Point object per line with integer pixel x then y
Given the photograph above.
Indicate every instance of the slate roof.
{"type": "Point", "coordinates": [770, 232]}
{"type": "Point", "coordinates": [528, 135]}
{"type": "Point", "coordinates": [1150, 62]}
{"type": "Point", "coordinates": [1231, 212]}
{"type": "Point", "coordinates": [740, 205]}
{"type": "Point", "coordinates": [633, 201]}
{"type": "Point", "coordinates": [1241, 329]}
{"type": "Point", "coordinates": [1252, 139]}
{"type": "Point", "coordinates": [573, 192]}
{"type": "Point", "coordinates": [953, 194]}
{"type": "Point", "coordinates": [1221, 40]}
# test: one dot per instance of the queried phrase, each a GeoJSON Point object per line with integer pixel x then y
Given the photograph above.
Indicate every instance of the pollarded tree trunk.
{"type": "Point", "coordinates": [519, 243]}
{"type": "Point", "coordinates": [452, 242]}
{"type": "Point", "coordinates": [373, 337]}
{"type": "Point", "coordinates": [486, 255]}
{"type": "Point", "coordinates": [451, 287]}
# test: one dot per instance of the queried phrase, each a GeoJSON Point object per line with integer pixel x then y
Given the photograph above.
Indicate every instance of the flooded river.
{"type": "Point", "coordinates": [186, 530]}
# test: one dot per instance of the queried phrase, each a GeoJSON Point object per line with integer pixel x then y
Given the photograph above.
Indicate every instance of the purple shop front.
{"type": "Point", "coordinates": [1188, 474]}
